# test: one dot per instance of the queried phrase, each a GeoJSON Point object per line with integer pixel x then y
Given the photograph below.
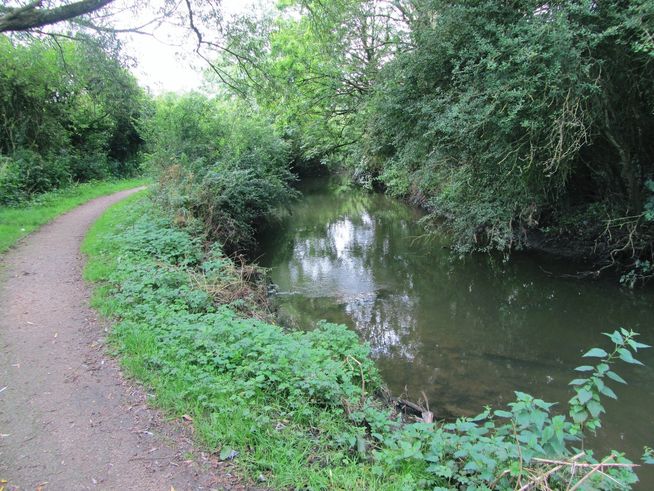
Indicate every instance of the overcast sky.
{"type": "Point", "coordinates": [171, 68]}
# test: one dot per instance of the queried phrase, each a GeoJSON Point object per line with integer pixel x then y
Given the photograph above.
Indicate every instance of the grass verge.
{"type": "Point", "coordinates": [17, 222]}
{"type": "Point", "coordinates": [293, 409]}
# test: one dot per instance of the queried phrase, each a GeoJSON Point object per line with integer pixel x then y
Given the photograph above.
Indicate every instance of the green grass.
{"type": "Point", "coordinates": [17, 222]}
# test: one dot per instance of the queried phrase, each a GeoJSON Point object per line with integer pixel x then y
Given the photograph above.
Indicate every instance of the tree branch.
{"type": "Point", "coordinates": [31, 16]}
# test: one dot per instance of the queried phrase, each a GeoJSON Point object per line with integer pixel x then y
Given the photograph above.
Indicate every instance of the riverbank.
{"type": "Point", "coordinates": [289, 408]}
{"type": "Point", "coordinates": [274, 402]}
{"type": "Point", "coordinates": [17, 222]}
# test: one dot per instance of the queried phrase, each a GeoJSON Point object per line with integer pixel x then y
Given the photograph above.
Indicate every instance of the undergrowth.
{"type": "Point", "coordinates": [297, 409]}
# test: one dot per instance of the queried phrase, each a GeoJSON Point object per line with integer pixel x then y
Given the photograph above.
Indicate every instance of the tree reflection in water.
{"type": "Point", "coordinates": [466, 331]}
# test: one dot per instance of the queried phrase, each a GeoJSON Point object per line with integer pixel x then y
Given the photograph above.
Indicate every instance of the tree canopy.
{"type": "Point", "coordinates": [516, 124]}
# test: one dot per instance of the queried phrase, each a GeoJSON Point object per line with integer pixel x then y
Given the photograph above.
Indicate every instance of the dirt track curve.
{"type": "Point", "coordinates": [68, 420]}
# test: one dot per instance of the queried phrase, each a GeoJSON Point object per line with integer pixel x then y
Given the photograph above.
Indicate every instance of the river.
{"type": "Point", "coordinates": [466, 332]}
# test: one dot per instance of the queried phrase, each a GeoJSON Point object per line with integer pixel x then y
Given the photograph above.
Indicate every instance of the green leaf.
{"type": "Point", "coordinates": [585, 368]}
{"type": "Point", "coordinates": [648, 456]}
{"type": "Point", "coordinates": [579, 417]}
{"type": "Point", "coordinates": [615, 336]}
{"type": "Point", "coordinates": [228, 453]}
{"type": "Point", "coordinates": [584, 395]}
{"type": "Point", "coordinates": [544, 405]}
{"type": "Point", "coordinates": [578, 381]}
{"type": "Point", "coordinates": [636, 345]}
{"type": "Point", "coordinates": [503, 414]}
{"type": "Point", "coordinates": [607, 391]}
{"type": "Point", "coordinates": [616, 377]}
{"type": "Point", "coordinates": [595, 408]}
{"type": "Point", "coordinates": [596, 353]}
{"type": "Point", "coordinates": [625, 355]}
{"type": "Point", "coordinates": [599, 383]}
{"type": "Point", "coordinates": [538, 418]}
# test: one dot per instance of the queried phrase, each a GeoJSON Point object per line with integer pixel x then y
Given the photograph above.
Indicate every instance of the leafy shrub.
{"type": "Point", "coordinates": [11, 191]}
{"type": "Point", "coordinates": [26, 173]}
{"type": "Point", "coordinates": [508, 117]}
{"type": "Point", "coordinates": [67, 113]}
{"type": "Point", "coordinates": [91, 167]}
{"type": "Point", "coordinates": [220, 165]}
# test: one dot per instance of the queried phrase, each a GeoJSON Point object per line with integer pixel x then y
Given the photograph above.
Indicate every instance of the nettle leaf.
{"type": "Point", "coordinates": [596, 353]}
{"type": "Point", "coordinates": [599, 383]}
{"type": "Point", "coordinates": [616, 377]}
{"type": "Point", "coordinates": [503, 414]}
{"type": "Point", "coordinates": [636, 345]}
{"type": "Point", "coordinates": [607, 391]}
{"type": "Point", "coordinates": [579, 417]}
{"type": "Point", "coordinates": [584, 395]}
{"type": "Point", "coordinates": [615, 336]}
{"type": "Point", "coordinates": [625, 355]}
{"type": "Point", "coordinates": [578, 381]}
{"type": "Point", "coordinates": [585, 368]}
{"type": "Point", "coordinates": [595, 408]}
{"type": "Point", "coordinates": [544, 405]}
{"type": "Point", "coordinates": [538, 418]}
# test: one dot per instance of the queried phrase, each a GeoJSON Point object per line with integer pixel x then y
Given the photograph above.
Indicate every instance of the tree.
{"type": "Point", "coordinates": [313, 64]}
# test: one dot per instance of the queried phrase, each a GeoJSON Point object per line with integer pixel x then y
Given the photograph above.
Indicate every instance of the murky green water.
{"type": "Point", "coordinates": [466, 332]}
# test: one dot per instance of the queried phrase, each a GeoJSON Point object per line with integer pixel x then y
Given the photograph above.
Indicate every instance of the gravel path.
{"type": "Point", "coordinates": [68, 420]}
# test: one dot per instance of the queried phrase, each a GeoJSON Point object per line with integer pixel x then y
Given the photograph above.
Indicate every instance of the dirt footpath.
{"type": "Point", "coordinates": [68, 420]}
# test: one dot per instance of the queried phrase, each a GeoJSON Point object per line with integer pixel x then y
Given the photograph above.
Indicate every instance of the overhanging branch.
{"type": "Point", "coordinates": [32, 16]}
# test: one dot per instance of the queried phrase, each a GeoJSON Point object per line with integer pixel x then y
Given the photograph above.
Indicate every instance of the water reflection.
{"type": "Point", "coordinates": [467, 332]}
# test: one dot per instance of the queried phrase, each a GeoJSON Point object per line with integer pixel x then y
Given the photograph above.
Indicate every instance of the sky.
{"type": "Point", "coordinates": [166, 62]}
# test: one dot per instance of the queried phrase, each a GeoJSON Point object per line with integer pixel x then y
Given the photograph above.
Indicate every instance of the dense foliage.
{"type": "Point", "coordinates": [221, 165]}
{"type": "Point", "coordinates": [517, 124]}
{"type": "Point", "coordinates": [298, 408]}
{"type": "Point", "coordinates": [312, 66]}
{"type": "Point", "coordinates": [513, 118]}
{"type": "Point", "coordinates": [67, 114]}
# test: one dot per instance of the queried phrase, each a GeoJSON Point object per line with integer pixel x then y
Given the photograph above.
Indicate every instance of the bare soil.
{"type": "Point", "coordinates": [68, 418]}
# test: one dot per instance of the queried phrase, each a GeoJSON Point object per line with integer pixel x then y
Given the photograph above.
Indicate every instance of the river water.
{"type": "Point", "coordinates": [466, 332]}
